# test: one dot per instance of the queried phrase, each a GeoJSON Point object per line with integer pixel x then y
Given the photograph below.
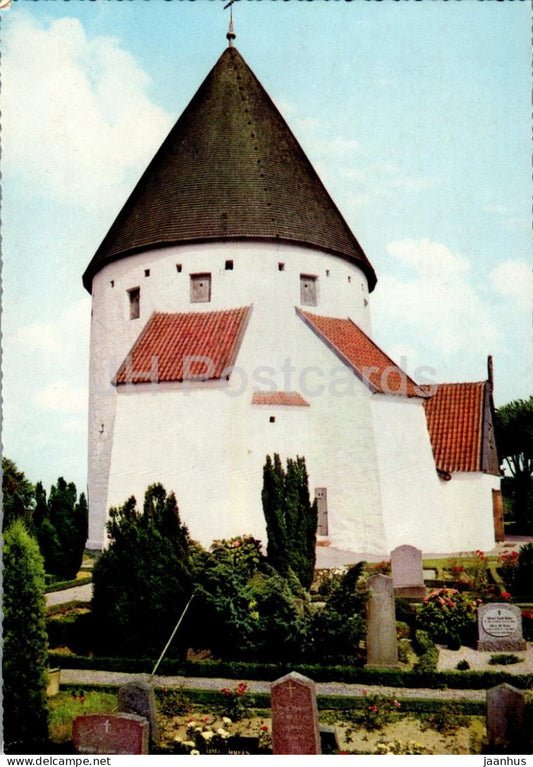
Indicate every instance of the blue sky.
{"type": "Point", "coordinates": [416, 115]}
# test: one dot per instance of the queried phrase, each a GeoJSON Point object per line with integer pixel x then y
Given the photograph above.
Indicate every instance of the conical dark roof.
{"type": "Point", "coordinates": [230, 169]}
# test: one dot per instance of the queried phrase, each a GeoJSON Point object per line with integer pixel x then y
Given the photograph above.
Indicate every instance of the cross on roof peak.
{"type": "Point", "coordinates": [230, 33]}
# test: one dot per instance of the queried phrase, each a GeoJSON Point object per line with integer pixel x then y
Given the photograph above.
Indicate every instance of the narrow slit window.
{"type": "Point", "coordinates": [112, 283]}
{"type": "Point", "coordinates": [146, 272]}
{"type": "Point", "coordinates": [178, 267]}
{"type": "Point", "coordinates": [135, 303]}
{"type": "Point", "coordinates": [200, 288]}
{"type": "Point", "coordinates": [281, 267]}
{"type": "Point", "coordinates": [321, 496]}
{"type": "Point", "coordinates": [308, 290]}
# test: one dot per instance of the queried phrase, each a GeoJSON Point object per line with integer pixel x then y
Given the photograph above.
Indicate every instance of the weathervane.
{"type": "Point", "coordinates": [231, 34]}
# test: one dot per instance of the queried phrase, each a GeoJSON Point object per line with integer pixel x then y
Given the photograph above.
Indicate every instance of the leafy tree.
{"type": "Point", "coordinates": [17, 495]}
{"type": "Point", "coordinates": [291, 518]}
{"type": "Point", "coordinates": [60, 524]}
{"type": "Point", "coordinates": [514, 437]}
{"type": "Point", "coordinates": [143, 580]}
{"type": "Point", "coordinates": [25, 657]}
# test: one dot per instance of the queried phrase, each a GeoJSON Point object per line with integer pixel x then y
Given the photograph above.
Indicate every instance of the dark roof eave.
{"type": "Point", "coordinates": [96, 265]}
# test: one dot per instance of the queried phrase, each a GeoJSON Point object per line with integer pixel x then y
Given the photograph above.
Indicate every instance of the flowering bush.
{"type": "Point", "coordinates": [527, 625]}
{"type": "Point", "coordinates": [448, 612]}
{"type": "Point", "coordinates": [202, 738]}
{"type": "Point", "coordinates": [236, 701]}
{"type": "Point", "coordinates": [376, 712]}
{"type": "Point", "coordinates": [242, 553]}
{"type": "Point", "coordinates": [471, 572]}
{"type": "Point", "coordinates": [399, 747]}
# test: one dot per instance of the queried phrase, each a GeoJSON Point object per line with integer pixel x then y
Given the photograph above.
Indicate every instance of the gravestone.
{"type": "Point", "coordinates": [381, 641]}
{"type": "Point", "coordinates": [407, 572]}
{"type": "Point", "coordinates": [505, 713]}
{"type": "Point", "coordinates": [110, 734]}
{"type": "Point", "coordinates": [294, 716]}
{"type": "Point", "coordinates": [500, 627]}
{"type": "Point", "coordinates": [139, 698]}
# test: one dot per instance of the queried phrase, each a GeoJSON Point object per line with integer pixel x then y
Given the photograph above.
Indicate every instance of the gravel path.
{"type": "Point", "coordinates": [82, 593]}
{"type": "Point", "coordinates": [111, 679]}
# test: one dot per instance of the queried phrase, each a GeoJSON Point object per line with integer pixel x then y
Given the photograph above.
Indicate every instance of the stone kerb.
{"type": "Point", "coordinates": [294, 716]}
{"type": "Point", "coordinates": [500, 627]}
{"type": "Point", "coordinates": [110, 734]}
{"type": "Point", "coordinates": [407, 571]}
{"type": "Point", "coordinates": [505, 713]}
{"type": "Point", "coordinates": [381, 638]}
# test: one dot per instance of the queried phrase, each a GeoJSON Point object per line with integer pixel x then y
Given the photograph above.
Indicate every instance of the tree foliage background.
{"type": "Point", "coordinates": [514, 438]}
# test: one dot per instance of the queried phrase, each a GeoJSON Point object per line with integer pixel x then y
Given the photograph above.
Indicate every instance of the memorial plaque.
{"type": "Point", "coordinates": [110, 734]}
{"type": "Point", "coordinates": [381, 640]}
{"type": "Point", "coordinates": [139, 698]}
{"type": "Point", "coordinates": [294, 716]}
{"type": "Point", "coordinates": [500, 627]}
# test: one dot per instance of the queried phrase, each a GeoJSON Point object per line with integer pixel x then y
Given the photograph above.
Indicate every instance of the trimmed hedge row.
{"type": "Point", "coordinates": [441, 680]}
{"type": "Point", "coordinates": [261, 700]}
{"type": "Point", "coordinates": [64, 585]}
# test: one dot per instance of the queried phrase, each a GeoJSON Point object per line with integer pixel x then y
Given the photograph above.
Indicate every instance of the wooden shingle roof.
{"type": "Point", "coordinates": [230, 169]}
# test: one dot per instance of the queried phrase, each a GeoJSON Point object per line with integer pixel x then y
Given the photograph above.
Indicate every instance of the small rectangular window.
{"type": "Point", "coordinates": [308, 290]}
{"type": "Point", "coordinates": [146, 272]}
{"type": "Point", "coordinates": [200, 288]}
{"type": "Point", "coordinates": [178, 267]}
{"type": "Point", "coordinates": [112, 283]}
{"type": "Point", "coordinates": [135, 303]}
{"type": "Point", "coordinates": [272, 419]}
{"type": "Point", "coordinates": [229, 266]}
{"type": "Point", "coordinates": [281, 267]}
{"type": "Point", "coordinates": [321, 496]}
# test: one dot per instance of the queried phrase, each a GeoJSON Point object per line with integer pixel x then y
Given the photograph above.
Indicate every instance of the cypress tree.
{"type": "Point", "coordinates": [25, 657]}
{"type": "Point", "coordinates": [291, 518]}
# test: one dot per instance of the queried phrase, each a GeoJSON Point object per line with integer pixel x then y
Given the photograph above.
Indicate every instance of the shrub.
{"type": "Point", "coordinates": [142, 580]}
{"type": "Point", "coordinates": [236, 701]}
{"type": "Point", "coordinates": [25, 658]}
{"type": "Point", "coordinates": [399, 747]}
{"type": "Point", "coordinates": [428, 653]}
{"type": "Point", "coordinates": [446, 612]}
{"type": "Point", "coordinates": [376, 712]}
{"type": "Point", "coordinates": [523, 581]}
{"type": "Point", "coordinates": [446, 719]}
{"type": "Point", "coordinates": [463, 665]}
{"type": "Point", "coordinates": [504, 659]}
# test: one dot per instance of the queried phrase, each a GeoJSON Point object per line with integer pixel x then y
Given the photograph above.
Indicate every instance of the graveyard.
{"type": "Point", "coordinates": [444, 666]}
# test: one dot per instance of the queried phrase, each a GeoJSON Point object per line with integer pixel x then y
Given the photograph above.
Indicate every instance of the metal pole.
{"type": "Point", "coordinates": [176, 627]}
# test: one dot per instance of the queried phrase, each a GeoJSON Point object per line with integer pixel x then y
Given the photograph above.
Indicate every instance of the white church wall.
{"type": "Point", "coordinates": [413, 508]}
{"type": "Point", "coordinates": [255, 278]}
{"type": "Point", "coordinates": [468, 496]}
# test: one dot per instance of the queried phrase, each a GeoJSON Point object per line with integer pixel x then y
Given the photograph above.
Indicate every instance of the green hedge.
{"type": "Point", "coordinates": [459, 680]}
{"type": "Point", "coordinates": [64, 585]}
{"type": "Point", "coordinates": [64, 606]}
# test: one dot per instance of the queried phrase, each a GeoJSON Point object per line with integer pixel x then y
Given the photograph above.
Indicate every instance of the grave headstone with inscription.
{"type": "Point", "coordinates": [381, 639]}
{"type": "Point", "coordinates": [407, 572]}
{"type": "Point", "coordinates": [500, 627]}
{"type": "Point", "coordinates": [139, 698]}
{"type": "Point", "coordinates": [110, 734]}
{"type": "Point", "coordinates": [505, 714]}
{"type": "Point", "coordinates": [294, 716]}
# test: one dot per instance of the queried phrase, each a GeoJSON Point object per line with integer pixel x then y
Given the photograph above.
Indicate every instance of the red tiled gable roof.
{"type": "Point", "coordinates": [454, 416]}
{"type": "Point", "coordinates": [168, 339]}
{"type": "Point", "coordinates": [290, 398]}
{"type": "Point", "coordinates": [230, 169]}
{"type": "Point", "coordinates": [367, 360]}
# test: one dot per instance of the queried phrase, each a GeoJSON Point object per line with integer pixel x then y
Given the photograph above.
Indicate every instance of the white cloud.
{"type": "Point", "coordinates": [62, 397]}
{"type": "Point", "coordinates": [76, 116]}
{"type": "Point", "coordinates": [68, 335]}
{"type": "Point", "coordinates": [513, 279]}
{"type": "Point", "coordinates": [438, 310]}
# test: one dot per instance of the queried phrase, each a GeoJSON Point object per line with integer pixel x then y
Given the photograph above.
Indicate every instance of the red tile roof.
{"type": "Point", "coordinates": [169, 339]}
{"type": "Point", "coordinates": [454, 417]}
{"type": "Point", "coordinates": [367, 360]}
{"type": "Point", "coordinates": [291, 398]}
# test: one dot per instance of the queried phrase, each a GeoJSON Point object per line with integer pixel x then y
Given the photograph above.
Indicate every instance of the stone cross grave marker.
{"type": "Point", "coordinates": [407, 572]}
{"type": "Point", "coordinates": [505, 713]}
{"type": "Point", "coordinates": [500, 627]}
{"type": "Point", "coordinates": [139, 698]}
{"type": "Point", "coordinates": [381, 641]}
{"type": "Point", "coordinates": [110, 734]}
{"type": "Point", "coordinates": [294, 715]}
